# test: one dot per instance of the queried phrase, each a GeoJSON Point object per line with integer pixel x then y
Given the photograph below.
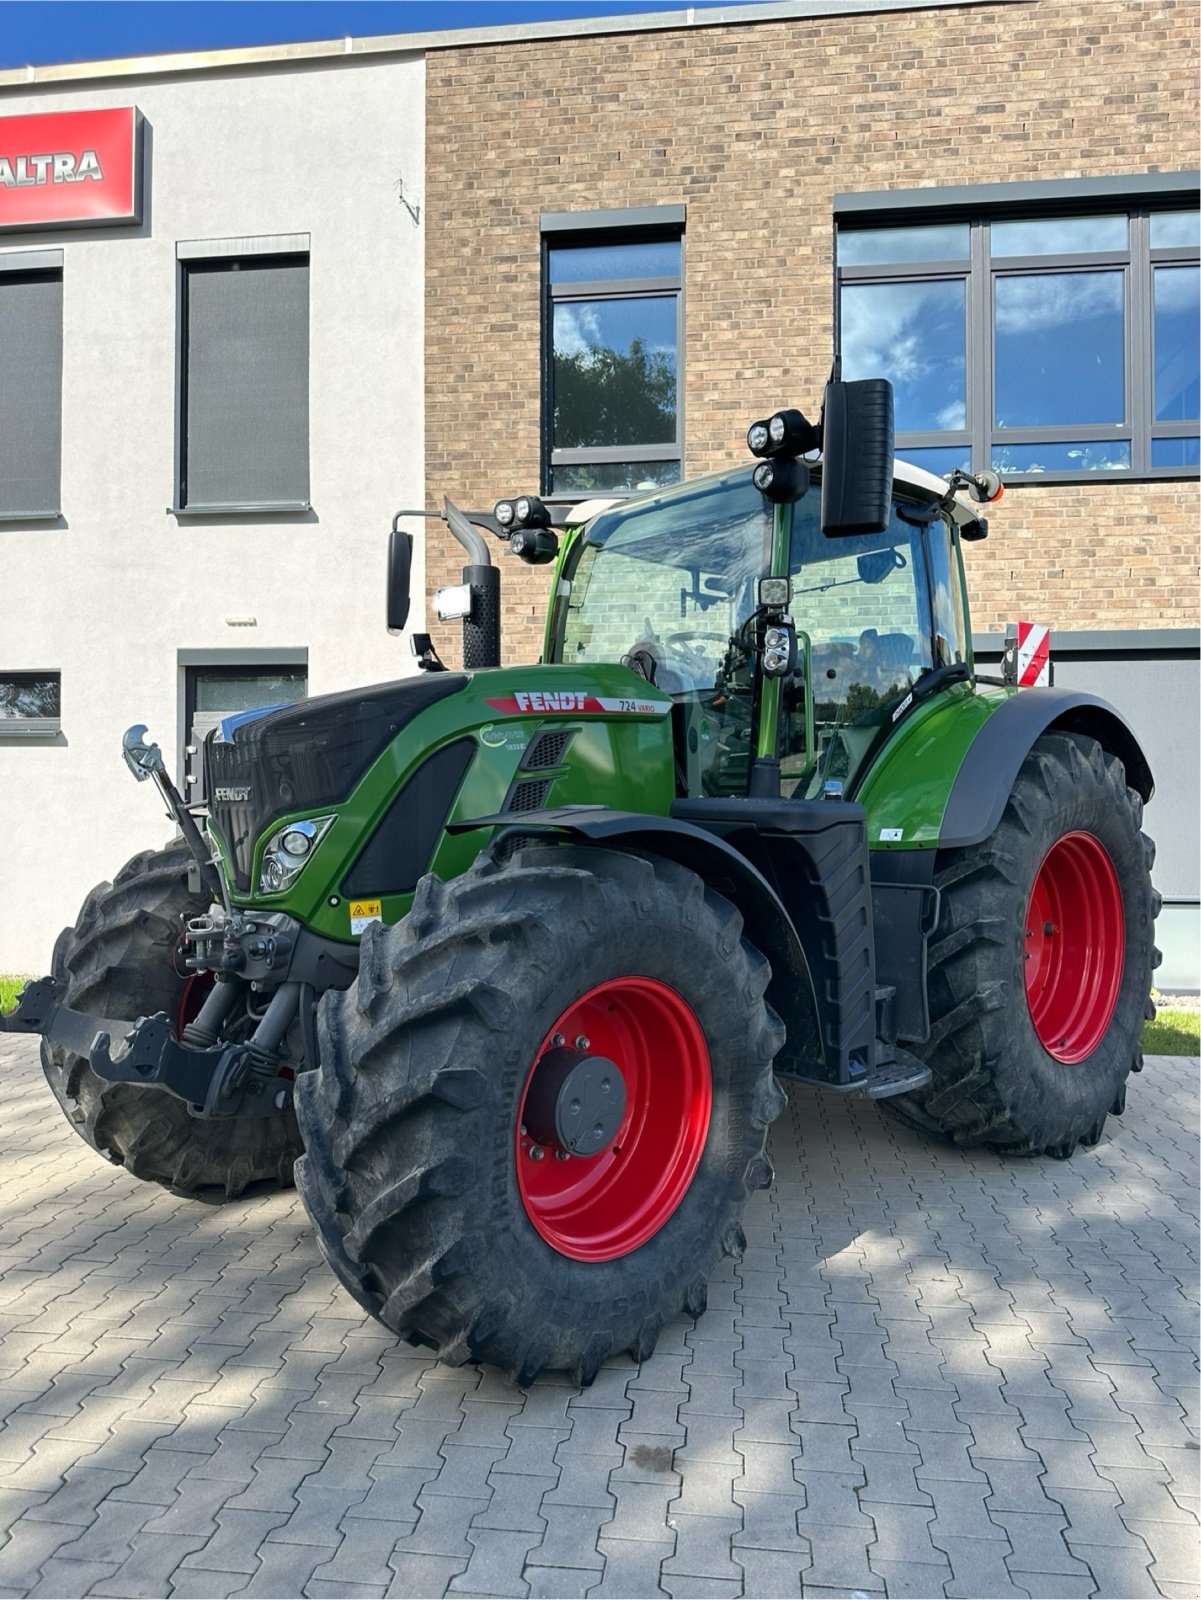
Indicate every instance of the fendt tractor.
{"type": "Point", "coordinates": [508, 965]}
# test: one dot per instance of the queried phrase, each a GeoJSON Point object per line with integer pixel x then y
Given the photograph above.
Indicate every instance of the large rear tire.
{"type": "Point", "coordinates": [119, 961]}
{"type": "Point", "coordinates": [432, 1196]}
{"type": "Point", "coordinates": [1040, 968]}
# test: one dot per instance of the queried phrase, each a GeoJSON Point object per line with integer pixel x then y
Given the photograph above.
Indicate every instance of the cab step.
{"type": "Point", "coordinates": [901, 1076]}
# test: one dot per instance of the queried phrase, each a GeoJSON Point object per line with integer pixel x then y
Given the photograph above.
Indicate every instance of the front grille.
{"type": "Point", "coordinates": [307, 756]}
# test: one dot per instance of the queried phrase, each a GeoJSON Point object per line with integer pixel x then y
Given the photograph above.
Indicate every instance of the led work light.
{"type": "Point", "coordinates": [781, 479]}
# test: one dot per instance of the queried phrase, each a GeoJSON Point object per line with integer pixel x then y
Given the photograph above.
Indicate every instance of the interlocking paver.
{"type": "Point", "coordinates": [882, 1380]}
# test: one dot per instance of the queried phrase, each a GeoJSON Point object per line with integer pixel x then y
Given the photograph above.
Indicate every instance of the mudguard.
{"type": "Point", "coordinates": [766, 921]}
{"type": "Point", "coordinates": [986, 776]}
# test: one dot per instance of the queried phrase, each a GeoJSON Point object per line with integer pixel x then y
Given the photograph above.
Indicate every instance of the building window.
{"type": "Point", "coordinates": [30, 703]}
{"type": "Point", "coordinates": [1047, 346]}
{"type": "Point", "coordinates": [243, 441]}
{"type": "Point", "coordinates": [31, 384]}
{"type": "Point", "coordinates": [612, 342]}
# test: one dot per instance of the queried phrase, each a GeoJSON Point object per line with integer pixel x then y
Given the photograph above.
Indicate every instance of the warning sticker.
{"type": "Point", "coordinates": [362, 912]}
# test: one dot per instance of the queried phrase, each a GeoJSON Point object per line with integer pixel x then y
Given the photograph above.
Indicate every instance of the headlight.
{"type": "Point", "coordinates": [756, 438]}
{"type": "Point", "coordinates": [503, 512]}
{"type": "Point", "coordinates": [287, 851]}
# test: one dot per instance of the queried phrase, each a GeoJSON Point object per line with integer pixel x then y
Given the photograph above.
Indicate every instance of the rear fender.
{"type": "Point", "coordinates": [986, 776]}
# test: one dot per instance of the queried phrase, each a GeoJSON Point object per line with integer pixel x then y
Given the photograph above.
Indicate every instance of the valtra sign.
{"type": "Point", "coordinates": [63, 169]}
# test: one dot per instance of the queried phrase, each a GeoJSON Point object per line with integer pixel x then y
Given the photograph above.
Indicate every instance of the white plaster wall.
{"type": "Point", "coordinates": [115, 594]}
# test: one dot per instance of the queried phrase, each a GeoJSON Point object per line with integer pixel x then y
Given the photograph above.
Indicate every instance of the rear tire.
{"type": "Point", "coordinates": [1039, 971]}
{"type": "Point", "coordinates": [119, 961]}
{"type": "Point", "coordinates": [416, 1174]}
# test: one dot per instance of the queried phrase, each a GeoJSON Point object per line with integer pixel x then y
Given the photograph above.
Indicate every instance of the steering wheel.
{"type": "Point", "coordinates": [687, 634]}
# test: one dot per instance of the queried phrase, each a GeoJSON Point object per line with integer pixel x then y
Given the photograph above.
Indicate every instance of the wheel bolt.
{"type": "Point", "coordinates": [582, 1043]}
{"type": "Point", "coordinates": [536, 1152]}
{"type": "Point", "coordinates": [1049, 928]}
{"type": "Point", "coordinates": [562, 1155]}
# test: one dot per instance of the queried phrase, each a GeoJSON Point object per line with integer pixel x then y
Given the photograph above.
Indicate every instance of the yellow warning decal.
{"type": "Point", "coordinates": [362, 912]}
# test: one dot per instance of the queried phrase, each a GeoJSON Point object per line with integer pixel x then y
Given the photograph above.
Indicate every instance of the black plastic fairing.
{"type": "Point", "coordinates": [403, 841]}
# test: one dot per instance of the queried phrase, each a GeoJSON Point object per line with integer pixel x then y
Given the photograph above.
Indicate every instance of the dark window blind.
{"type": "Point", "coordinates": [246, 436]}
{"type": "Point", "coordinates": [31, 393]}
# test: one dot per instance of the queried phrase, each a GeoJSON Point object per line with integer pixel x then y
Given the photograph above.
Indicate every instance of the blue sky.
{"type": "Point", "coordinates": [37, 32]}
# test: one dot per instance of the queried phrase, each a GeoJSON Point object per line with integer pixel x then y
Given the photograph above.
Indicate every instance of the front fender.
{"type": "Point", "coordinates": [766, 922]}
{"type": "Point", "coordinates": [986, 775]}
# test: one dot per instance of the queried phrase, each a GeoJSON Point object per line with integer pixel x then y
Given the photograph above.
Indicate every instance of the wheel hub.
{"type": "Point", "coordinates": [623, 1109]}
{"type": "Point", "coordinates": [575, 1101]}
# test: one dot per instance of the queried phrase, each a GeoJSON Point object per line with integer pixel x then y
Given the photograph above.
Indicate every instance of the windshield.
{"type": "Point", "coordinates": [665, 586]}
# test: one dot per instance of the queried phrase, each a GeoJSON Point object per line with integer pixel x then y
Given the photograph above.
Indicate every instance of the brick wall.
{"type": "Point", "coordinates": [754, 127]}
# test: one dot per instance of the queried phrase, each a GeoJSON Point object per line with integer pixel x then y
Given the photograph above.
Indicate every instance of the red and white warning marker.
{"type": "Point", "coordinates": [1033, 655]}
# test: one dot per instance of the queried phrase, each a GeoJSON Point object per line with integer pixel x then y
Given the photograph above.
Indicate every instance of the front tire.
{"type": "Point", "coordinates": [1039, 971]}
{"type": "Point", "coordinates": [433, 1200]}
{"type": "Point", "coordinates": [119, 961]}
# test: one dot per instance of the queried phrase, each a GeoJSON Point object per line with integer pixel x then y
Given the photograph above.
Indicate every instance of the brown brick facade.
{"type": "Point", "coordinates": [754, 128]}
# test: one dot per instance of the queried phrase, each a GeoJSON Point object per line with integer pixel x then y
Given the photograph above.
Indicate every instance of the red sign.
{"type": "Point", "coordinates": [71, 169]}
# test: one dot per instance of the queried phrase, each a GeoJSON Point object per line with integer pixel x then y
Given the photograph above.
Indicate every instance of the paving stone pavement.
{"type": "Point", "coordinates": [933, 1373]}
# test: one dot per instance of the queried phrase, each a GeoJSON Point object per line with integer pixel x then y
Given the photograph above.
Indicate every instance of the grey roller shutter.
{"type": "Point", "coordinates": [246, 434]}
{"type": "Point", "coordinates": [31, 393]}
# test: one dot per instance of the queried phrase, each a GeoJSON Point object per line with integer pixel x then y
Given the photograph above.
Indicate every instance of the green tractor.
{"type": "Point", "coordinates": [508, 965]}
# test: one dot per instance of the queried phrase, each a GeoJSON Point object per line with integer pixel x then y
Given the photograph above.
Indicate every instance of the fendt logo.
{"type": "Point", "coordinates": [525, 700]}
{"type": "Point", "coordinates": [63, 169]}
{"type": "Point", "coordinates": [232, 793]}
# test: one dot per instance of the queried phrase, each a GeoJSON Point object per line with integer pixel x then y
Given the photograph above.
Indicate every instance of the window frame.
{"type": "Point", "coordinates": [43, 264]}
{"type": "Point", "coordinates": [632, 225]}
{"type": "Point", "coordinates": [1136, 198]}
{"type": "Point", "coordinates": [33, 727]}
{"type": "Point", "coordinates": [202, 252]}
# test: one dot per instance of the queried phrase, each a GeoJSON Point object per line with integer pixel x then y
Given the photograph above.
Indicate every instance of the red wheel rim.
{"type": "Point", "coordinates": [597, 1208]}
{"type": "Point", "coordinates": [1075, 946]}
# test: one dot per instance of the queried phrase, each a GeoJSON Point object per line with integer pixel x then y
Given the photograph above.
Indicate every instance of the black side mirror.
{"type": "Point", "coordinates": [400, 566]}
{"type": "Point", "coordinates": [857, 451]}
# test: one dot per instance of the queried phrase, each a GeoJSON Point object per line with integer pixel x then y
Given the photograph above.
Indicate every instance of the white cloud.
{"type": "Point", "coordinates": [1055, 300]}
{"type": "Point", "coordinates": [577, 329]}
{"type": "Point", "coordinates": [911, 333]}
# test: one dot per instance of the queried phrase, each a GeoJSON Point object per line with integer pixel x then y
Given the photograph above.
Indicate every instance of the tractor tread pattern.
{"type": "Point", "coordinates": [992, 1082]}
{"type": "Point", "coordinates": [407, 1093]}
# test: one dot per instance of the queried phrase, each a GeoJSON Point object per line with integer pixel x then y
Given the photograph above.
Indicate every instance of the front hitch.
{"type": "Point", "coordinates": [225, 1080]}
{"type": "Point", "coordinates": [40, 1010]}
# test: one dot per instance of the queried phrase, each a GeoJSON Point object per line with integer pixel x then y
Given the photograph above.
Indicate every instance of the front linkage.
{"type": "Point", "coordinates": [261, 954]}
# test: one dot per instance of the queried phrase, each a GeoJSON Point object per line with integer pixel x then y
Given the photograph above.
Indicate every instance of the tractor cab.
{"type": "Point", "coordinates": [672, 586]}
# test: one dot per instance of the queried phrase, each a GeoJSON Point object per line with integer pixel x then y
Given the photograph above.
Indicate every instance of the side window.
{"type": "Point", "coordinates": [31, 388]}
{"type": "Point", "coordinates": [244, 382]}
{"type": "Point", "coordinates": [863, 604]}
{"type": "Point", "coordinates": [612, 338]}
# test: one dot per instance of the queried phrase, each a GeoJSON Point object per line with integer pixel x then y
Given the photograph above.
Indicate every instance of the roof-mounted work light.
{"type": "Point", "coordinates": [781, 480]}
{"type": "Point", "coordinates": [784, 433]}
{"type": "Point", "coordinates": [523, 511]}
